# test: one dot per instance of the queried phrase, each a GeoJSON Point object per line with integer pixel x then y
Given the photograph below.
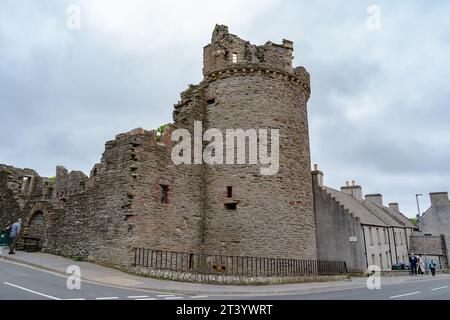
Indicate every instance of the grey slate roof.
{"type": "Point", "coordinates": [355, 207]}
{"type": "Point", "coordinates": [400, 217]}
{"type": "Point", "coordinates": [380, 212]}
{"type": "Point", "coordinates": [370, 213]}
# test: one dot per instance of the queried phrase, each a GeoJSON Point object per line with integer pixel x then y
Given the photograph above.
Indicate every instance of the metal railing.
{"type": "Point", "coordinates": [234, 265]}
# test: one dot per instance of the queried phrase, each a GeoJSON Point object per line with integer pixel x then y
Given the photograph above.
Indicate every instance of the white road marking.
{"type": "Point", "coordinates": [173, 298]}
{"type": "Point", "coordinates": [76, 299]}
{"type": "Point", "coordinates": [145, 299]}
{"type": "Point", "coordinates": [199, 297]}
{"type": "Point", "coordinates": [137, 297]}
{"type": "Point", "coordinates": [107, 298]}
{"type": "Point", "coordinates": [440, 288]}
{"type": "Point", "coordinates": [2, 259]}
{"type": "Point", "coordinates": [31, 291]}
{"type": "Point", "coordinates": [165, 295]}
{"type": "Point", "coordinates": [404, 295]}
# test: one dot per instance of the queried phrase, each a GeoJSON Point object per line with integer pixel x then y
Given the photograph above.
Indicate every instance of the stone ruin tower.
{"type": "Point", "coordinates": [254, 87]}
{"type": "Point", "coordinates": [137, 197]}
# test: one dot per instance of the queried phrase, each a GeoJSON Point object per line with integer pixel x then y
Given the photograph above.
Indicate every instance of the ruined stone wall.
{"type": "Point", "coordinates": [9, 207]}
{"type": "Point", "coordinates": [173, 224]}
{"type": "Point", "coordinates": [226, 47]}
{"type": "Point", "coordinates": [91, 219]}
{"type": "Point", "coordinates": [20, 191]}
{"type": "Point", "coordinates": [69, 183]}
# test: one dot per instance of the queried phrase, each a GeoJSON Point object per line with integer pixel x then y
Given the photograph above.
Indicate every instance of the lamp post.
{"type": "Point", "coordinates": [423, 234]}
{"type": "Point", "coordinates": [418, 208]}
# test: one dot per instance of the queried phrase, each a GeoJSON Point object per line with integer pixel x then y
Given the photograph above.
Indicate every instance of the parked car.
{"type": "Point", "coordinates": [401, 266]}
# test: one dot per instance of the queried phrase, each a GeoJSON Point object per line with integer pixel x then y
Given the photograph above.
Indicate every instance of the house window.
{"type": "Point", "coordinates": [235, 58]}
{"type": "Point", "coordinates": [373, 259]}
{"type": "Point", "coordinates": [381, 261]}
{"type": "Point", "coordinates": [388, 262]}
{"type": "Point", "coordinates": [385, 236]}
{"type": "Point", "coordinates": [229, 192]}
{"type": "Point", "coordinates": [378, 237]}
{"type": "Point", "coordinates": [163, 193]}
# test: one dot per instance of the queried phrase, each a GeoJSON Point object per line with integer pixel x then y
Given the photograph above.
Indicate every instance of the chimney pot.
{"type": "Point", "coordinates": [353, 183]}
{"type": "Point", "coordinates": [439, 198]}
{"type": "Point", "coordinates": [394, 206]}
{"type": "Point", "coordinates": [317, 177]}
{"type": "Point", "coordinates": [316, 167]}
{"type": "Point", "coordinates": [375, 198]}
{"type": "Point", "coordinates": [354, 190]}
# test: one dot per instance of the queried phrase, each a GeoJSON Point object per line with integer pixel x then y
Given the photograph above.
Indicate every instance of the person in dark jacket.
{"type": "Point", "coordinates": [432, 266]}
{"type": "Point", "coordinates": [413, 264]}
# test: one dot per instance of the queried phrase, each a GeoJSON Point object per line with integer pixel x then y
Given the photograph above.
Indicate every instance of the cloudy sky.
{"type": "Point", "coordinates": [379, 111]}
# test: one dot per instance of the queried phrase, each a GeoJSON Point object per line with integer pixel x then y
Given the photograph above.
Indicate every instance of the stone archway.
{"type": "Point", "coordinates": [35, 224]}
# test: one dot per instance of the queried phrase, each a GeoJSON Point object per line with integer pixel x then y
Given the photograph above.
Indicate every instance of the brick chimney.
{"type": "Point", "coordinates": [375, 198]}
{"type": "Point", "coordinates": [439, 199]}
{"type": "Point", "coordinates": [354, 190]}
{"type": "Point", "coordinates": [317, 176]}
{"type": "Point", "coordinates": [394, 206]}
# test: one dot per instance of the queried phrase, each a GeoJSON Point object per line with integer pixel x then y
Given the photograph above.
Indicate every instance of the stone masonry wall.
{"type": "Point", "coordinates": [171, 226]}
{"type": "Point", "coordinates": [334, 227]}
{"type": "Point", "coordinates": [431, 245]}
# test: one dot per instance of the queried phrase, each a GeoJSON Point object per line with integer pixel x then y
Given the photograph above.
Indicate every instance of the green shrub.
{"type": "Point", "coordinates": [160, 131]}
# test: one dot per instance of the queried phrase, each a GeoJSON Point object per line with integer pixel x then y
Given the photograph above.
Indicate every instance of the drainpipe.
{"type": "Point", "coordinates": [395, 245]}
{"type": "Point", "coordinates": [365, 246]}
{"type": "Point", "coordinates": [390, 246]}
{"type": "Point", "coordinates": [406, 236]}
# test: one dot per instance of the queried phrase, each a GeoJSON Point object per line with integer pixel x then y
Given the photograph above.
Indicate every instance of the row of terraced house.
{"type": "Point", "coordinates": [364, 232]}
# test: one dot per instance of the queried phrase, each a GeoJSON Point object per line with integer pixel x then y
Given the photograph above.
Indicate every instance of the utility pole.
{"type": "Point", "coordinates": [423, 233]}
{"type": "Point", "coordinates": [418, 209]}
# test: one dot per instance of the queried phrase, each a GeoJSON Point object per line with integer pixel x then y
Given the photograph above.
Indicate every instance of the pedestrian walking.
{"type": "Point", "coordinates": [420, 265]}
{"type": "Point", "coordinates": [14, 235]}
{"type": "Point", "coordinates": [432, 266]}
{"type": "Point", "coordinates": [413, 264]}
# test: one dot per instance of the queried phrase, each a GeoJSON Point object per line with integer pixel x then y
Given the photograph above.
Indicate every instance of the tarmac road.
{"type": "Point", "coordinates": [22, 282]}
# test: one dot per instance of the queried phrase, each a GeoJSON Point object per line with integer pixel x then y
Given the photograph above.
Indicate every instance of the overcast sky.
{"type": "Point", "coordinates": [379, 111]}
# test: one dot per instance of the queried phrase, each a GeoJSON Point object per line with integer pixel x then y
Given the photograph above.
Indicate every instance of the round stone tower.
{"type": "Point", "coordinates": [257, 209]}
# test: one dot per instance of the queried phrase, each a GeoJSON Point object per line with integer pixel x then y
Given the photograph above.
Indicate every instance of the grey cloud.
{"type": "Point", "coordinates": [64, 93]}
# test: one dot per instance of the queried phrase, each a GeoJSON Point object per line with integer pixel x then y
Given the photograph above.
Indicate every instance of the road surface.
{"type": "Point", "coordinates": [22, 282]}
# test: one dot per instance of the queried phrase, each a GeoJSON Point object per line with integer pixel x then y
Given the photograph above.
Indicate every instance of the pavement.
{"type": "Point", "coordinates": [47, 274]}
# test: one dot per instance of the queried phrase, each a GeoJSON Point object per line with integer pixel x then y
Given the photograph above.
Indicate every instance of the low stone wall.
{"type": "Point", "coordinates": [229, 280]}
